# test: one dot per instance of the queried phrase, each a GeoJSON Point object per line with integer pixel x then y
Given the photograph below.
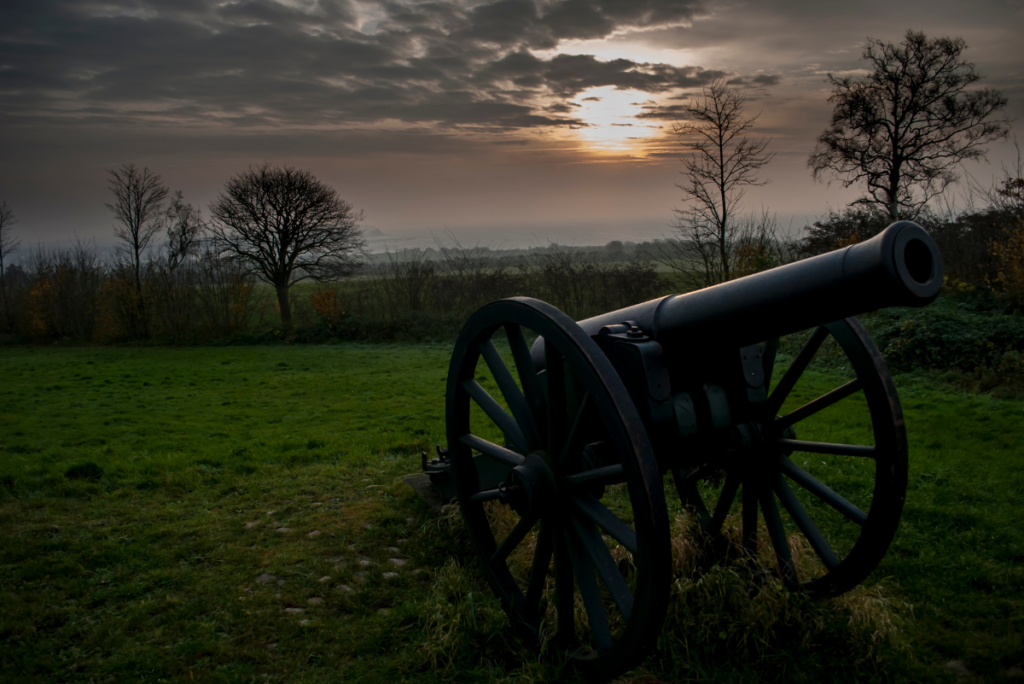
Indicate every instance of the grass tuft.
{"type": "Point", "coordinates": [84, 471]}
{"type": "Point", "coordinates": [730, 615]}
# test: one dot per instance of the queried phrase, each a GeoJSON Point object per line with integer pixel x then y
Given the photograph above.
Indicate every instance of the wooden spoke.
{"type": "Point", "coordinates": [821, 403]}
{"type": "Point", "coordinates": [564, 592]}
{"type": "Point", "coordinates": [808, 482]}
{"type": "Point", "coordinates": [527, 374]}
{"type": "Point", "coordinates": [691, 478]}
{"type": "Point", "coordinates": [575, 442]}
{"type": "Point", "coordinates": [794, 372]}
{"type": "Point", "coordinates": [590, 592]}
{"type": "Point", "coordinates": [828, 448]}
{"type": "Point", "coordinates": [492, 450]}
{"type": "Point", "coordinates": [804, 522]}
{"type": "Point", "coordinates": [514, 538]}
{"type": "Point", "coordinates": [496, 413]}
{"type": "Point", "coordinates": [601, 558]}
{"type": "Point", "coordinates": [510, 390]}
{"type": "Point", "coordinates": [539, 570]}
{"type": "Point", "coordinates": [777, 534]}
{"type": "Point", "coordinates": [768, 354]}
{"type": "Point", "coordinates": [598, 513]}
{"type": "Point", "coordinates": [750, 496]}
{"type": "Point", "coordinates": [486, 495]}
{"type": "Point", "coordinates": [607, 475]}
{"type": "Point", "coordinates": [557, 412]}
{"type": "Point", "coordinates": [725, 499]}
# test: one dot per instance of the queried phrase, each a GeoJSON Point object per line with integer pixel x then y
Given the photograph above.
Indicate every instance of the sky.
{"type": "Point", "coordinates": [505, 123]}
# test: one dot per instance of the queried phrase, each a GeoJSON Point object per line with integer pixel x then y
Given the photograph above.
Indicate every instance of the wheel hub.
{"type": "Point", "coordinates": [758, 452]}
{"type": "Point", "coordinates": [530, 486]}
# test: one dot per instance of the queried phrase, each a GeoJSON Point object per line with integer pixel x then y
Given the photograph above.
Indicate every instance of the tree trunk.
{"type": "Point", "coordinates": [140, 302]}
{"type": "Point", "coordinates": [285, 305]}
{"type": "Point", "coordinates": [3, 292]}
{"type": "Point", "coordinates": [894, 192]}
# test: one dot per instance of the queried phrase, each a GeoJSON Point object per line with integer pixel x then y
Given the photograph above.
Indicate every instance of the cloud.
{"type": "Point", "coordinates": [660, 112]}
{"type": "Point", "coordinates": [329, 63]}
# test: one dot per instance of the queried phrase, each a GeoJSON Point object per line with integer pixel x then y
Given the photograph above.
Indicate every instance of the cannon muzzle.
{"type": "Point", "coordinates": [900, 266]}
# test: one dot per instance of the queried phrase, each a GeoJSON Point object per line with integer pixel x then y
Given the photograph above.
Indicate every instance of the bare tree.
{"type": "Point", "coordinates": [138, 206]}
{"type": "Point", "coordinates": [184, 229]}
{"type": "Point", "coordinates": [8, 245]}
{"type": "Point", "coordinates": [285, 226]}
{"type": "Point", "coordinates": [905, 128]}
{"type": "Point", "coordinates": [722, 164]}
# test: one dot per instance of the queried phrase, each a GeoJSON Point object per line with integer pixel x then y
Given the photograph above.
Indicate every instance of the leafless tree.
{"type": "Point", "coordinates": [8, 245]}
{"type": "Point", "coordinates": [285, 226]}
{"type": "Point", "coordinates": [723, 162]}
{"type": "Point", "coordinates": [905, 128]}
{"type": "Point", "coordinates": [138, 206]}
{"type": "Point", "coordinates": [184, 229]}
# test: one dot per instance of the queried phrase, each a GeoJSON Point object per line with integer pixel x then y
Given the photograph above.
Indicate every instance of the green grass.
{"type": "Point", "coordinates": [145, 564]}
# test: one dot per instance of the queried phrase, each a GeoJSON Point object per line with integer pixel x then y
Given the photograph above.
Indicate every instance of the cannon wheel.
{"type": "Point", "coordinates": [570, 433]}
{"type": "Point", "coordinates": [771, 483]}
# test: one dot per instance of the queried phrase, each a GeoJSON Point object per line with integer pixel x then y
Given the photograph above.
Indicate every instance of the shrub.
{"type": "Point", "coordinates": [967, 330]}
{"type": "Point", "coordinates": [327, 303]}
{"type": "Point", "coordinates": [842, 228]}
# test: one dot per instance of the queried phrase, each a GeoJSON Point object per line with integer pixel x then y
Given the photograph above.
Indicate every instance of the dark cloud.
{"type": "Point", "coordinates": [267, 63]}
{"type": "Point", "coordinates": [667, 113]}
{"type": "Point", "coordinates": [766, 79]}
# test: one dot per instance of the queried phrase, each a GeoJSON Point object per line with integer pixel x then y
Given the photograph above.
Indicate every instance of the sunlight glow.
{"type": "Point", "coordinates": [610, 118]}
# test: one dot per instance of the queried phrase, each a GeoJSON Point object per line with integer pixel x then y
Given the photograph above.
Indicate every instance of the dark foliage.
{"type": "Point", "coordinates": [842, 228]}
{"type": "Point", "coordinates": [969, 243]}
{"type": "Point", "coordinates": [965, 331]}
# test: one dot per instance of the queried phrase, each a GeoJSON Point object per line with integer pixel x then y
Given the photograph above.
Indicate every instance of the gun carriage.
{"type": "Point", "coordinates": [561, 472]}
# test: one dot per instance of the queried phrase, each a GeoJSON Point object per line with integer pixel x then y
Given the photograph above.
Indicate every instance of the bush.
{"type": "Point", "coordinates": [842, 228]}
{"type": "Point", "coordinates": [967, 331]}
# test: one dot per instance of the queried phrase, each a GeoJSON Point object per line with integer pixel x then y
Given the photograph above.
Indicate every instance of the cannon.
{"type": "Point", "coordinates": [563, 435]}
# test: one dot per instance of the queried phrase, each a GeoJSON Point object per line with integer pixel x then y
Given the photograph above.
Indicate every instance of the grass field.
{"type": "Point", "coordinates": [215, 468]}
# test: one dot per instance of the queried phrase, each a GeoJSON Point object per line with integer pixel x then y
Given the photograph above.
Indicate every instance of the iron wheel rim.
{"type": "Point", "coordinates": [568, 536]}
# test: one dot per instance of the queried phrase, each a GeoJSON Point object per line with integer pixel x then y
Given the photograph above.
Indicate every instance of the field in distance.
{"type": "Point", "coordinates": [236, 514]}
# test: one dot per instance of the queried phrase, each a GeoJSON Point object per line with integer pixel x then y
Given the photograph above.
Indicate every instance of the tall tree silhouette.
{"type": "Point", "coordinates": [285, 226]}
{"type": "Point", "coordinates": [723, 162]}
{"type": "Point", "coordinates": [139, 209]}
{"type": "Point", "coordinates": [904, 129]}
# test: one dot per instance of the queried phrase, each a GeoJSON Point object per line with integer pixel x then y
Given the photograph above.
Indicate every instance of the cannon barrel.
{"type": "Point", "coordinates": [901, 266]}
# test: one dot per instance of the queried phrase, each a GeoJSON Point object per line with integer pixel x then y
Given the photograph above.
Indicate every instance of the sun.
{"type": "Point", "coordinates": [610, 118]}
